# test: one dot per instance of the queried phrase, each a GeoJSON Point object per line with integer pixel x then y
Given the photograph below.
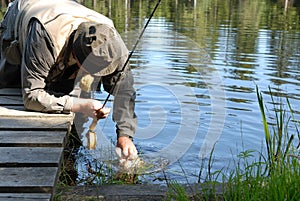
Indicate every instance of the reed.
{"type": "Point", "coordinates": [275, 176]}
{"type": "Point", "coordinates": [279, 141]}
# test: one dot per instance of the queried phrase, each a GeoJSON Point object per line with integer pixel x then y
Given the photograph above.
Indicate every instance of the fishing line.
{"type": "Point", "coordinates": [121, 73]}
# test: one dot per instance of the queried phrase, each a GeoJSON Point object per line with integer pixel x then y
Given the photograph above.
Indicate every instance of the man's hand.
{"type": "Point", "coordinates": [129, 151]}
{"type": "Point", "coordinates": [102, 113]}
{"type": "Point", "coordinates": [90, 107]}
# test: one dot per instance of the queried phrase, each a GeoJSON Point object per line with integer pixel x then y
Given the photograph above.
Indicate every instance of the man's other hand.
{"type": "Point", "coordinates": [129, 151]}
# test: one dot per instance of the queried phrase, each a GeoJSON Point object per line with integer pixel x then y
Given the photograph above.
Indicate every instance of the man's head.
{"type": "Point", "coordinates": [99, 48]}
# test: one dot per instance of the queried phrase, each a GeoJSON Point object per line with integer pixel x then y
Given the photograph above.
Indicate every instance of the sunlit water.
{"type": "Point", "coordinates": [192, 96]}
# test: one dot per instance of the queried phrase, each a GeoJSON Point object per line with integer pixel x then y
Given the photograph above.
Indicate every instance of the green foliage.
{"type": "Point", "coordinates": [251, 183]}
{"type": "Point", "coordinates": [177, 192]}
{"type": "Point", "coordinates": [279, 142]}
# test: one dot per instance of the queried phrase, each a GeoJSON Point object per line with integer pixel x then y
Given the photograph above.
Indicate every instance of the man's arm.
{"type": "Point", "coordinates": [123, 112]}
{"type": "Point", "coordinates": [38, 57]}
{"type": "Point", "coordinates": [124, 103]}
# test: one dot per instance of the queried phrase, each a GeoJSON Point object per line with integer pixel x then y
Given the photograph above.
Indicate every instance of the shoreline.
{"type": "Point", "coordinates": [141, 192]}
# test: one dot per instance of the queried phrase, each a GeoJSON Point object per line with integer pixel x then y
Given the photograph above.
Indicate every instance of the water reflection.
{"type": "Point", "coordinates": [184, 99]}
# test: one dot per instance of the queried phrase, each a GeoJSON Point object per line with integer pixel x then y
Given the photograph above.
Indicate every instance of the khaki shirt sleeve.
{"type": "Point", "coordinates": [38, 57]}
{"type": "Point", "coordinates": [124, 103]}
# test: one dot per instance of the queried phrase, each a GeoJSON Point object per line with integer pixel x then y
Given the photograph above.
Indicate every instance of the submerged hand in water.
{"type": "Point", "coordinates": [138, 166]}
{"type": "Point", "coordinates": [129, 165]}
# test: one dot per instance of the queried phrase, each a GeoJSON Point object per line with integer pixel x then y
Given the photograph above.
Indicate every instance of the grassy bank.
{"type": "Point", "coordinates": [276, 174]}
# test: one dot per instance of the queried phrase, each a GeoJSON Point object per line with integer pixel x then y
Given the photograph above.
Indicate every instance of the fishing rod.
{"type": "Point", "coordinates": [129, 56]}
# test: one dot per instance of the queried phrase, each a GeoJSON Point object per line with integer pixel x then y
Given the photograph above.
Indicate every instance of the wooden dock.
{"type": "Point", "coordinates": [31, 146]}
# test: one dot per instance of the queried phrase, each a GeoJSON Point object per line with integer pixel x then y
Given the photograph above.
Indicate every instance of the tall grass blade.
{"type": "Point", "coordinates": [265, 123]}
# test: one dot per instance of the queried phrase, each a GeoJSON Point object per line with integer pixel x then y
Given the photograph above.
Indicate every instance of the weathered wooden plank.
{"type": "Point", "coordinates": [143, 192]}
{"type": "Point", "coordinates": [4, 109]}
{"type": "Point", "coordinates": [30, 156]}
{"type": "Point", "coordinates": [25, 196]}
{"type": "Point", "coordinates": [11, 100]}
{"type": "Point", "coordinates": [31, 147]}
{"type": "Point", "coordinates": [28, 179]}
{"type": "Point", "coordinates": [10, 92]}
{"type": "Point", "coordinates": [19, 111]}
{"type": "Point", "coordinates": [34, 123]}
{"type": "Point", "coordinates": [114, 192]}
{"type": "Point", "coordinates": [32, 138]}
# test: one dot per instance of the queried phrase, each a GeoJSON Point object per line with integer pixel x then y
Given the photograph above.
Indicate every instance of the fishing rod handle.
{"type": "Point", "coordinates": [93, 125]}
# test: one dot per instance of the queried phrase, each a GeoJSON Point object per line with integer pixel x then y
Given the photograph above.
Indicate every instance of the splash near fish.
{"type": "Point", "coordinates": [129, 169]}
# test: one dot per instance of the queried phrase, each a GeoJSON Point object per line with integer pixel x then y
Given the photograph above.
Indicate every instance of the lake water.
{"type": "Point", "coordinates": [196, 71]}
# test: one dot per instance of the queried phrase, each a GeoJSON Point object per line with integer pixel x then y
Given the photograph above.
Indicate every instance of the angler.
{"type": "Point", "coordinates": [44, 46]}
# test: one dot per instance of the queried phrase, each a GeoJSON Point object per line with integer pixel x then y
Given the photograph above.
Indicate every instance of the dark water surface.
{"type": "Point", "coordinates": [196, 71]}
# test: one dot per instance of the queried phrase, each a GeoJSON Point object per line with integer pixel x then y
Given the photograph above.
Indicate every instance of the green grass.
{"type": "Point", "coordinates": [176, 192]}
{"type": "Point", "coordinates": [276, 174]}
